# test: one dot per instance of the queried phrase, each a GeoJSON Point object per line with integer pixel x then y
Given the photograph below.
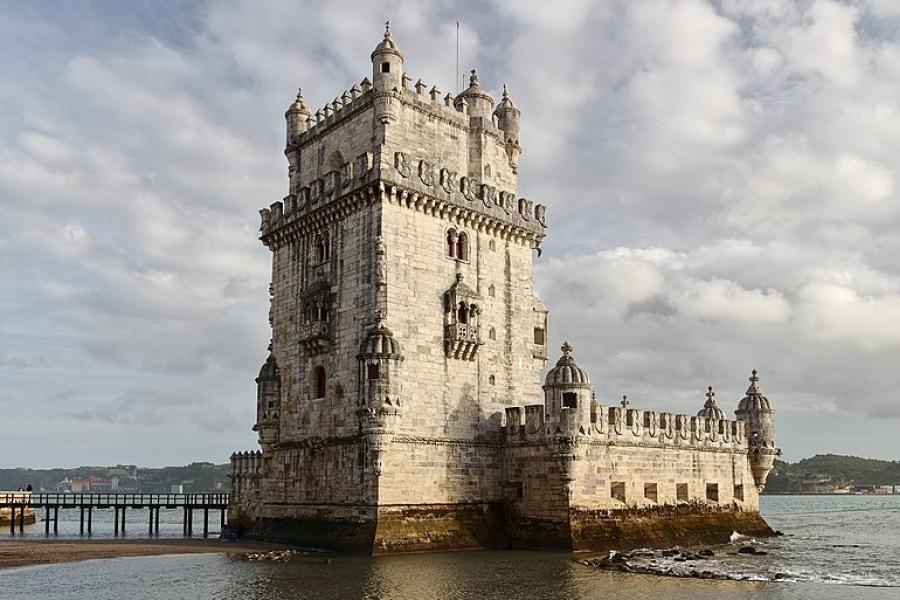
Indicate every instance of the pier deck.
{"type": "Point", "coordinates": [20, 502]}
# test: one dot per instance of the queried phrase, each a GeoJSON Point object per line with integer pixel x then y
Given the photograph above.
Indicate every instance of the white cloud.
{"type": "Point", "coordinates": [721, 182]}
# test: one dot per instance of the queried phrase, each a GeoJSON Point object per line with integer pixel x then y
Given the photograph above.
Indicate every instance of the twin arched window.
{"type": "Point", "coordinates": [322, 247]}
{"type": "Point", "coordinates": [458, 245]}
{"type": "Point", "coordinates": [467, 313]}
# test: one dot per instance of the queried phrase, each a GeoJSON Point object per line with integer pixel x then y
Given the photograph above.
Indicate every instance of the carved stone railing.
{"type": "Point", "coordinates": [462, 341]}
{"type": "Point", "coordinates": [315, 337]}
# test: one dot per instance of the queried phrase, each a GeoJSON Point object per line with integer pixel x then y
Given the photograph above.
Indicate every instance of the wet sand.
{"type": "Point", "coordinates": [18, 553]}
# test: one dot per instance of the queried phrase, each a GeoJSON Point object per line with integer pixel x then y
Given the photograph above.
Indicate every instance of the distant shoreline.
{"type": "Point", "coordinates": [26, 552]}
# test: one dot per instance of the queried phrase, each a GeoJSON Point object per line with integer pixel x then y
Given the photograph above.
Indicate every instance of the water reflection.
{"type": "Point", "coordinates": [453, 576]}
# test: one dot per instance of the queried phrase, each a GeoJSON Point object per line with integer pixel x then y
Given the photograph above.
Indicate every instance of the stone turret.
{"type": "Point", "coordinates": [296, 118]}
{"type": "Point", "coordinates": [711, 410]}
{"type": "Point", "coordinates": [297, 121]}
{"type": "Point", "coordinates": [567, 394]}
{"type": "Point", "coordinates": [508, 114]}
{"type": "Point", "coordinates": [387, 64]}
{"type": "Point", "coordinates": [479, 102]}
{"type": "Point", "coordinates": [756, 411]}
{"type": "Point", "coordinates": [379, 359]}
{"type": "Point", "coordinates": [268, 402]}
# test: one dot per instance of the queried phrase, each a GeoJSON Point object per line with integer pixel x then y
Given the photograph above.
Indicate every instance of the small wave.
{"type": "Point", "coordinates": [735, 536]}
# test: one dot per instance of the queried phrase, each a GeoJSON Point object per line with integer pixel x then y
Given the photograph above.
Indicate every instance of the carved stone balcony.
{"type": "Point", "coordinates": [315, 337]}
{"type": "Point", "coordinates": [462, 341]}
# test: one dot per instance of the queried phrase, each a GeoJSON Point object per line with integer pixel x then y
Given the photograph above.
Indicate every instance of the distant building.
{"type": "Point", "coordinates": [176, 488]}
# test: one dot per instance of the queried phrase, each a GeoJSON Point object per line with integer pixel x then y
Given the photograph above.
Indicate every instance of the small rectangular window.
{"type": "Point", "coordinates": [617, 490]}
{"type": "Point", "coordinates": [681, 492]}
{"type": "Point", "coordinates": [712, 492]}
{"type": "Point", "coordinates": [570, 400]}
{"type": "Point", "coordinates": [539, 336]}
{"type": "Point", "coordinates": [373, 372]}
{"type": "Point", "coordinates": [650, 492]}
{"type": "Point", "coordinates": [385, 67]}
{"type": "Point", "coordinates": [739, 492]}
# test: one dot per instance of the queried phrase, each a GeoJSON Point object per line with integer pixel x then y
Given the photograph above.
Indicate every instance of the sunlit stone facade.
{"type": "Point", "coordinates": [401, 406]}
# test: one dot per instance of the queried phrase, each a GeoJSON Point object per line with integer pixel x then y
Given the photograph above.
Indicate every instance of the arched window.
{"type": "Point", "coordinates": [451, 243]}
{"type": "Point", "coordinates": [492, 245]}
{"type": "Point", "coordinates": [462, 247]}
{"type": "Point", "coordinates": [323, 249]}
{"type": "Point", "coordinates": [319, 382]}
{"type": "Point", "coordinates": [462, 313]}
{"type": "Point", "coordinates": [492, 380]}
{"type": "Point", "coordinates": [474, 311]}
{"type": "Point", "coordinates": [492, 333]}
{"type": "Point", "coordinates": [491, 290]}
{"type": "Point", "coordinates": [487, 170]}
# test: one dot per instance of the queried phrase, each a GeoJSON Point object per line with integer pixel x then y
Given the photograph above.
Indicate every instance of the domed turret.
{"type": "Point", "coordinates": [508, 115]}
{"type": "Point", "coordinates": [758, 415]}
{"type": "Point", "coordinates": [480, 102]}
{"type": "Point", "coordinates": [387, 63]}
{"type": "Point", "coordinates": [380, 343]}
{"type": "Point", "coordinates": [379, 359]}
{"type": "Point", "coordinates": [711, 410]}
{"type": "Point", "coordinates": [296, 117]}
{"type": "Point", "coordinates": [268, 402]}
{"type": "Point", "coordinates": [566, 373]}
{"type": "Point", "coordinates": [567, 393]}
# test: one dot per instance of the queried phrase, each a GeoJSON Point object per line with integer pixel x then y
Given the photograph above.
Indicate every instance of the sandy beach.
{"type": "Point", "coordinates": [17, 553]}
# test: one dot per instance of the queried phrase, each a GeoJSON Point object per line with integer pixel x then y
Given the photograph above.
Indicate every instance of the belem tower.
{"type": "Point", "coordinates": [401, 407]}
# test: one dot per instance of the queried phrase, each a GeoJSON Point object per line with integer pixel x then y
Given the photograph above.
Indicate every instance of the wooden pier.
{"type": "Point", "coordinates": [20, 502]}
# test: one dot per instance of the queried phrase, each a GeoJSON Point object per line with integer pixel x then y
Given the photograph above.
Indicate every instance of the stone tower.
{"type": "Point", "coordinates": [756, 411]}
{"type": "Point", "coordinates": [404, 319]}
{"type": "Point", "coordinates": [401, 408]}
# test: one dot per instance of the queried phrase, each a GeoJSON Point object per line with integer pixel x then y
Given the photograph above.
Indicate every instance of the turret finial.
{"type": "Point", "coordinates": [473, 79]}
{"type": "Point", "coordinates": [624, 401]}
{"type": "Point", "coordinates": [387, 29]}
{"type": "Point", "coordinates": [566, 348]}
{"type": "Point", "coordinates": [505, 93]}
{"type": "Point", "coordinates": [710, 394]}
{"type": "Point", "coordinates": [753, 375]}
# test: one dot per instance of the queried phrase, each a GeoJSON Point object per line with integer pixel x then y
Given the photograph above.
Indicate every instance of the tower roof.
{"type": "Point", "coordinates": [711, 410]}
{"type": "Point", "coordinates": [567, 373]}
{"type": "Point", "coordinates": [387, 45]}
{"type": "Point", "coordinates": [755, 400]}
{"type": "Point", "coordinates": [380, 342]}
{"type": "Point", "coordinates": [506, 103]}
{"type": "Point", "coordinates": [299, 104]}
{"type": "Point", "coordinates": [269, 370]}
{"type": "Point", "coordinates": [474, 90]}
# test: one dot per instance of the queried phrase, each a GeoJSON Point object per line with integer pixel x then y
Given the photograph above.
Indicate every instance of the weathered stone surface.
{"type": "Point", "coordinates": [400, 408]}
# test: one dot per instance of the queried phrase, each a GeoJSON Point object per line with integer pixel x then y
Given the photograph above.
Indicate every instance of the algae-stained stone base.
{"type": "Point", "coordinates": [660, 528]}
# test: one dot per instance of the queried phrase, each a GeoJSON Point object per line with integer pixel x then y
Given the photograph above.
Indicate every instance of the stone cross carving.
{"type": "Point", "coordinates": [624, 402]}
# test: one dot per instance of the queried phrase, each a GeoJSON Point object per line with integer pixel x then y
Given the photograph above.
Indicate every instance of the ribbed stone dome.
{"type": "Point", "coordinates": [380, 342]}
{"type": "Point", "coordinates": [711, 410]}
{"type": "Point", "coordinates": [566, 373]}
{"type": "Point", "coordinates": [387, 45]}
{"type": "Point", "coordinates": [755, 400]}
{"type": "Point", "coordinates": [269, 370]}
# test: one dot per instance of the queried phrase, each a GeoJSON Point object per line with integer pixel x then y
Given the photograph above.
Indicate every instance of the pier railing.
{"type": "Point", "coordinates": [19, 502]}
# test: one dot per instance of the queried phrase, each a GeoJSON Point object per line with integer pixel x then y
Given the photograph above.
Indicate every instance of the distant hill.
{"type": "Point", "coordinates": [195, 477]}
{"type": "Point", "coordinates": [841, 470]}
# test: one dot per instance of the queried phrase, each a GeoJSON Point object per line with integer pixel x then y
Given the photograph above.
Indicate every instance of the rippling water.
{"type": "Point", "coordinates": [833, 548]}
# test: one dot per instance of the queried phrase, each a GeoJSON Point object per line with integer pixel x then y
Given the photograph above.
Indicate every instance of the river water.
{"type": "Point", "coordinates": [834, 547]}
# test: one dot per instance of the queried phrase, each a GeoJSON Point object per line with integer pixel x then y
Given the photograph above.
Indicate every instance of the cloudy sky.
{"type": "Point", "coordinates": [719, 176]}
